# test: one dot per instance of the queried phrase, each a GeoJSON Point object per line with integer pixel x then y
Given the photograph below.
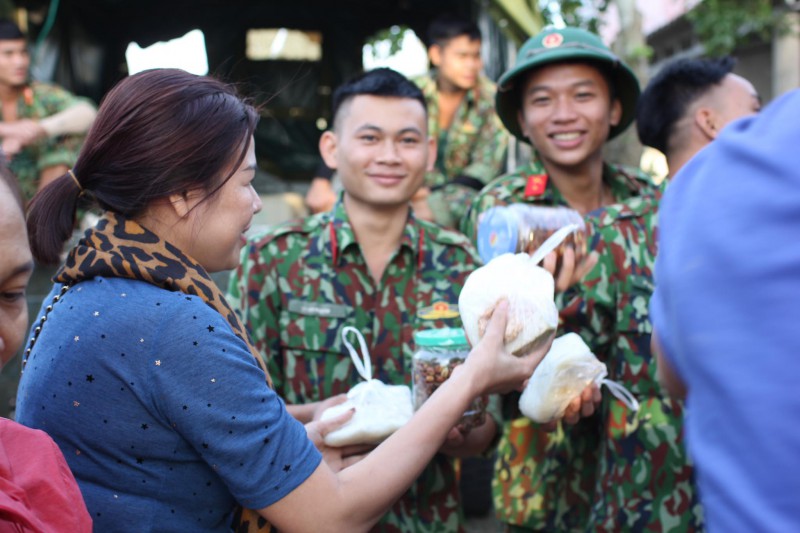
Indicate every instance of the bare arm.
{"type": "Point", "coordinates": [357, 497]}
{"type": "Point", "coordinates": [75, 119]}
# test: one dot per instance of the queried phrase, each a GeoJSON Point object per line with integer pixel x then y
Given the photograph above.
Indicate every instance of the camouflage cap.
{"type": "Point", "coordinates": [555, 45]}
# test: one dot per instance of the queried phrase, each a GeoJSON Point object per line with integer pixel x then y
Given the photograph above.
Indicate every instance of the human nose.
{"type": "Point", "coordinates": [564, 110]}
{"type": "Point", "coordinates": [257, 203]}
{"type": "Point", "coordinates": [477, 63]}
{"type": "Point", "coordinates": [389, 154]}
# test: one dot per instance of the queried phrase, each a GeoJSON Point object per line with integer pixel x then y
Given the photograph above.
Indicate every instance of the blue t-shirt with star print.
{"type": "Point", "coordinates": [160, 410]}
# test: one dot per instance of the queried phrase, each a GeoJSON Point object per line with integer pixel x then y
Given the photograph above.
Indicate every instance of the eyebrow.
{"type": "Point", "coordinates": [24, 268]}
{"type": "Point", "coordinates": [580, 83]}
{"type": "Point", "coordinates": [371, 127]}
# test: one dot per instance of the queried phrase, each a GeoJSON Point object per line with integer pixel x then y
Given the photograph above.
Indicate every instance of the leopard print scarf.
{"type": "Point", "coordinates": [119, 247]}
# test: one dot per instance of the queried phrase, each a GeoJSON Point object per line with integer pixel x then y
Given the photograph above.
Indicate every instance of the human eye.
{"type": "Point", "coordinates": [12, 296]}
{"type": "Point", "coordinates": [368, 138]}
{"type": "Point", "coordinates": [409, 140]}
{"type": "Point", "coordinates": [539, 99]}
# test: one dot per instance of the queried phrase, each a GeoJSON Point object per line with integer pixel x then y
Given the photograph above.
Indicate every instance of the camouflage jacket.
{"type": "Point", "coordinates": [300, 284]}
{"type": "Point", "coordinates": [475, 147]}
{"type": "Point", "coordinates": [644, 478]}
{"type": "Point", "coordinates": [545, 480]}
{"type": "Point", "coordinates": [40, 100]}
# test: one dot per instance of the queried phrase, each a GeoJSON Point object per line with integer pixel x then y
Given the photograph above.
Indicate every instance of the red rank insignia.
{"type": "Point", "coordinates": [536, 185]}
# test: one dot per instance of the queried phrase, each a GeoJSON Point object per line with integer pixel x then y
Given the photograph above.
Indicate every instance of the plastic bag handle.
{"type": "Point", "coordinates": [622, 394]}
{"type": "Point", "coordinates": [553, 242]}
{"type": "Point", "coordinates": [362, 363]}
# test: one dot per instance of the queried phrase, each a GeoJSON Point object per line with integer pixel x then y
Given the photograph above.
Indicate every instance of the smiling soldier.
{"type": "Point", "coordinates": [371, 264]}
{"type": "Point", "coordinates": [567, 95]}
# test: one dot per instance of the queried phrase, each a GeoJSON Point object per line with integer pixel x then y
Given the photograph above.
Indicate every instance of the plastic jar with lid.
{"type": "Point", "coordinates": [517, 228]}
{"type": "Point", "coordinates": [438, 352]}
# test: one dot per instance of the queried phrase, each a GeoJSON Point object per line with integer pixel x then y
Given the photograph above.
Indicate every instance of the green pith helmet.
{"type": "Point", "coordinates": [555, 45]}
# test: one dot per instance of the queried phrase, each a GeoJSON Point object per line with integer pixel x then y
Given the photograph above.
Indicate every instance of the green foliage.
{"type": "Point", "coordinates": [722, 25]}
{"type": "Point", "coordinates": [577, 13]}
{"type": "Point", "coordinates": [393, 35]}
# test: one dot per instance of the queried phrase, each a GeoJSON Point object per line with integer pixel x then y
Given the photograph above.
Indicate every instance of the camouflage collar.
{"type": "Point", "coordinates": [340, 235]}
{"type": "Point", "coordinates": [624, 183]}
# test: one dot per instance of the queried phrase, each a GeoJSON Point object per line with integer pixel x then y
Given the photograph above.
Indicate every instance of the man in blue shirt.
{"type": "Point", "coordinates": [725, 308]}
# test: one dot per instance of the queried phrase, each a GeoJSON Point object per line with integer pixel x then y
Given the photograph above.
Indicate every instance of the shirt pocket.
{"type": "Point", "coordinates": [633, 364]}
{"type": "Point", "coordinates": [315, 362]}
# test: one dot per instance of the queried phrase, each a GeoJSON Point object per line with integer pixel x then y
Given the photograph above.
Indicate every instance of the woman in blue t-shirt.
{"type": "Point", "coordinates": [143, 374]}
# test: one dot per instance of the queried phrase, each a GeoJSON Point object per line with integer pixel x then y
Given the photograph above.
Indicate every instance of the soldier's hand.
{"type": "Point", "coordinates": [337, 458]}
{"type": "Point", "coordinates": [11, 147]}
{"type": "Point", "coordinates": [568, 273]}
{"type": "Point", "coordinates": [582, 406]}
{"type": "Point", "coordinates": [320, 407]}
{"type": "Point", "coordinates": [26, 131]}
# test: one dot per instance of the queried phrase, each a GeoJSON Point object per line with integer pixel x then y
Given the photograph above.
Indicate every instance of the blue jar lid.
{"type": "Point", "coordinates": [498, 233]}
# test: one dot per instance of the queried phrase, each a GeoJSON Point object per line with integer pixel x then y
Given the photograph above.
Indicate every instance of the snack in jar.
{"type": "Point", "coordinates": [438, 352]}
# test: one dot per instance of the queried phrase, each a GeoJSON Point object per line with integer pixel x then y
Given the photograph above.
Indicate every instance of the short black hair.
{"type": "Point", "coordinates": [669, 94]}
{"type": "Point", "coordinates": [9, 31]}
{"type": "Point", "coordinates": [448, 26]}
{"type": "Point", "coordinates": [377, 82]}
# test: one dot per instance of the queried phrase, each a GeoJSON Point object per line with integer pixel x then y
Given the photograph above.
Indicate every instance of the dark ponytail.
{"type": "Point", "coordinates": [51, 218]}
{"type": "Point", "coordinates": [157, 133]}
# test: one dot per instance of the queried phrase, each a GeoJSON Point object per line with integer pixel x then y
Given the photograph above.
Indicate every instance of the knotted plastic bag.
{"type": "Point", "coordinates": [381, 409]}
{"type": "Point", "coordinates": [529, 289]}
{"type": "Point", "coordinates": [567, 369]}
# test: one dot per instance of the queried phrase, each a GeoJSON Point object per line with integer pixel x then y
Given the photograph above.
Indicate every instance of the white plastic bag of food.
{"type": "Point", "coordinates": [529, 289]}
{"type": "Point", "coordinates": [381, 409]}
{"type": "Point", "coordinates": [567, 369]}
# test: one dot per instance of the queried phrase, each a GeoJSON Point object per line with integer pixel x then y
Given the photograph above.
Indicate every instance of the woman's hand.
{"type": "Point", "coordinates": [494, 368]}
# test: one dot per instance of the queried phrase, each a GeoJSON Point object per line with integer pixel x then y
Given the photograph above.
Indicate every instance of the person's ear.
{"type": "Point", "coordinates": [328, 145]}
{"type": "Point", "coordinates": [522, 124]}
{"type": "Point", "coordinates": [182, 203]}
{"type": "Point", "coordinates": [706, 120]}
{"type": "Point", "coordinates": [432, 153]}
{"type": "Point", "coordinates": [435, 55]}
{"type": "Point", "coordinates": [616, 112]}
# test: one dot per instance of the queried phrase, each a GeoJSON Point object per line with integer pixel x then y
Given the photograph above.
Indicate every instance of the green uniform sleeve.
{"type": "Point", "coordinates": [253, 291]}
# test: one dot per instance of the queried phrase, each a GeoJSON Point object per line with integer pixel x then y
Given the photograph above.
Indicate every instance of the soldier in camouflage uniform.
{"type": "Point", "coordinates": [471, 142]}
{"type": "Point", "coordinates": [370, 264]}
{"type": "Point", "coordinates": [645, 480]}
{"type": "Point", "coordinates": [567, 95]}
{"type": "Point", "coordinates": [42, 124]}
{"type": "Point", "coordinates": [461, 117]}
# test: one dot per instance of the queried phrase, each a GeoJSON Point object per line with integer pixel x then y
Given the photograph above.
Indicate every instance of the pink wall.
{"type": "Point", "coordinates": [655, 14]}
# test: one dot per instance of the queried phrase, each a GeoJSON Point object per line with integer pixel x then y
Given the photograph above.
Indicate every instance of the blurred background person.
{"type": "Point", "coordinates": [688, 102]}
{"type": "Point", "coordinates": [42, 124]}
{"type": "Point", "coordinates": [471, 142]}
